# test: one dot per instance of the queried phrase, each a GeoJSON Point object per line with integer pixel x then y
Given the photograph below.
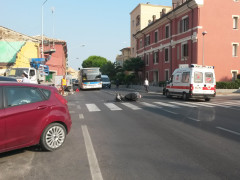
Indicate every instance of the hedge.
{"type": "Point", "coordinates": [228, 85]}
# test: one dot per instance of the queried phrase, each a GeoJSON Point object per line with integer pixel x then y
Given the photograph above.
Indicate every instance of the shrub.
{"type": "Point", "coordinates": [228, 85]}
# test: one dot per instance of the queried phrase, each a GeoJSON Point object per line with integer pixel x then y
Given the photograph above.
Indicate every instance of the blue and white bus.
{"type": "Point", "coordinates": [90, 78]}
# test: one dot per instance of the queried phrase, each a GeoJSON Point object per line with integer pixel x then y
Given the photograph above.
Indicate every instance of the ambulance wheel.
{"type": "Point", "coordinates": [168, 94]}
{"type": "Point", "coordinates": [185, 96]}
{"type": "Point", "coordinates": [207, 99]}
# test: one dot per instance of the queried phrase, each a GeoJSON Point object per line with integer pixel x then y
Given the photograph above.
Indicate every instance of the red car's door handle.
{"type": "Point", "coordinates": [41, 107]}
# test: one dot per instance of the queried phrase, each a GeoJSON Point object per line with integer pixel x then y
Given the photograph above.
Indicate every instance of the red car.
{"type": "Point", "coordinates": [32, 114]}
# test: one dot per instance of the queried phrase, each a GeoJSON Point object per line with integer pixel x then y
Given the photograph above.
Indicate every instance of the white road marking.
{"type": "Point", "coordinates": [232, 104]}
{"type": "Point", "coordinates": [233, 132]}
{"type": "Point", "coordinates": [92, 158]}
{"type": "Point", "coordinates": [81, 116]}
{"type": "Point", "coordinates": [193, 119]}
{"type": "Point", "coordinates": [78, 107]}
{"type": "Point", "coordinates": [113, 107]}
{"type": "Point", "coordinates": [71, 112]}
{"type": "Point", "coordinates": [149, 105]}
{"type": "Point", "coordinates": [181, 104]}
{"type": "Point", "coordinates": [169, 111]}
{"type": "Point", "coordinates": [70, 104]}
{"type": "Point", "coordinates": [92, 107]}
{"type": "Point", "coordinates": [199, 104]}
{"type": "Point", "coordinates": [131, 106]}
{"type": "Point", "coordinates": [219, 105]}
{"type": "Point", "coordinates": [167, 105]}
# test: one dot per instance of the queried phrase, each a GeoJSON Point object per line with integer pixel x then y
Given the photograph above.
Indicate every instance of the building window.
{"type": "Point", "coordinates": [235, 22]}
{"type": "Point", "coordinates": [147, 40]}
{"type": "Point", "coordinates": [166, 55]}
{"type": "Point", "coordinates": [132, 22]}
{"type": "Point", "coordinates": [156, 57]}
{"type": "Point", "coordinates": [178, 52]}
{"type": "Point", "coordinates": [156, 36]}
{"type": "Point", "coordinates": [234, 74]}
{"type": "Point", "coordinates": [166, 74]}
{"type": "Point", "coordinates": [147, 59]}
{"type": "Point", "coordinates": [140, 44]}
{"type": "Point", "coordinates": [167, 31]}
{"type": "Point", "coordinates": [184, 50]}
{"type": "Point", "coordinates": [235, 49]}
{"type": "Point", "coordinates": [138, 20]}
{"type": "Point", "coordinates": [183, 25]}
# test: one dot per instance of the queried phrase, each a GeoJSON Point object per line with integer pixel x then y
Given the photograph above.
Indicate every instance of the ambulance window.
{"type": "Point", "coordinates": [177, 78]}
{"type": "Point", "coordinates": [185, 77]}
{"type": "Point", "coordinates": [198, 77]}
{"type": "Point", "coordinates": [208, 77]}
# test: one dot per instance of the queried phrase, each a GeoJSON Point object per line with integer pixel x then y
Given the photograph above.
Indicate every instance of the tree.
{"type": "Point", "coordinates": [94, 61]}
{"type": "Point", "coordinates": [134, 64]}
{"type": "Point", "coordinates": [110, 69]}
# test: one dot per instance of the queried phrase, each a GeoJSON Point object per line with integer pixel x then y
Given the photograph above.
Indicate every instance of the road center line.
{"type": "Point", "coordinates": [230, 131]}
{"type": "Point", "coordinates": [81, 116]}
{"type": "Point", "coordinates": [92, 158]}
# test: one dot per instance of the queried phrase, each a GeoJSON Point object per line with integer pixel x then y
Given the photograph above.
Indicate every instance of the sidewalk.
{"type": "Point", "coordinates": [158, 90]}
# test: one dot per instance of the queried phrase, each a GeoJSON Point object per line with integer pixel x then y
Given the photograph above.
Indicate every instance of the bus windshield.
{"type": "Point", "coordinates": [91, 74]}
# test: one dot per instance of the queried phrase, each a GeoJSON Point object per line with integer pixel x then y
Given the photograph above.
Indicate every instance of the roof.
{"type": "Point", "coordinates": [11, 35]}
{"type": "Point", "coordinates": [141, 4]}
{"type": "Point", "coordinates": [165, 15]}
{"type": "Point", "coordinates": [49, 39]}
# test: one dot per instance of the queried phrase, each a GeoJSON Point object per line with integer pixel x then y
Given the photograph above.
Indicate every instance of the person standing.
{"type": "Point", "coordinates": [25, 77]}
{"type": "Point", "coordinates": [63, 84]}
{"type": "Point", "coordinates": [146, 85]}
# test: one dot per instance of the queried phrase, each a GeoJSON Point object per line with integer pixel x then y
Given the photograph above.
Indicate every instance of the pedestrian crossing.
{"type": "Point", "coordinates": [163, 105]}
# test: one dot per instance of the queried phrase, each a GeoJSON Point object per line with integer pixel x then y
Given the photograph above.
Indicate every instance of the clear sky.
{"type": "Point", "coordinates": [103, 26]}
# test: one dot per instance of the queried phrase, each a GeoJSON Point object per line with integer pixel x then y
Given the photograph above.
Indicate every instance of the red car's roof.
{"type": "Point", "coordinates": [10, 83]}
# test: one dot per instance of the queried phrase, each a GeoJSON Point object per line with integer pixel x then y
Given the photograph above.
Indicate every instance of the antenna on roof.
{"type": "Point", "coordinates": [148, 2]}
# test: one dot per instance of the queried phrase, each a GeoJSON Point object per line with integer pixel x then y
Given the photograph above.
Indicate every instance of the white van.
{"type": "Point", "coordinates": [195, 81]}
{"type": "Point", "coordinates": [105, 81]}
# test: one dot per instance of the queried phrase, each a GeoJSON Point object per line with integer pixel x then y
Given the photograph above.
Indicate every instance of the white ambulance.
{"type": "Point", "coordinates": [195, 81]}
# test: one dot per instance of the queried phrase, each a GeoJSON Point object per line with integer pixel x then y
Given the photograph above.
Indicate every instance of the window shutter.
{"type": "Point", "coordinates": [187, 24]}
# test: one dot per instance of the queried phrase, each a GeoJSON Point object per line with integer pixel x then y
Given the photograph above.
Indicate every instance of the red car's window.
{"type": "Point", "coordinates": [47, 93]}
{"type": "Point", "coordinates": [22, 95]}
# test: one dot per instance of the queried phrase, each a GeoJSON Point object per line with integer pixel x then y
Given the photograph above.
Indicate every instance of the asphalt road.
{"type": "Point", "coordinates": [154, 138]}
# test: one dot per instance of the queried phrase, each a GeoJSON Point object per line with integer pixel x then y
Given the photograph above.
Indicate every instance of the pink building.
{"type": "Point", "coordinates": [58, 61]}
{"type": "Point", "coordinates": [194, 32]}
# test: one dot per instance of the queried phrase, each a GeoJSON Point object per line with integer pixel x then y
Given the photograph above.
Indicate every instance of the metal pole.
{"type": "Point", "coordinates": [203, 52]}
{"type": "Point", "coordinates": [203, 33]}
{"type": "Point", "coordinates": [42, 28]}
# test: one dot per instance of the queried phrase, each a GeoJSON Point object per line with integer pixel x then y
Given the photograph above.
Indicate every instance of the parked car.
{"type": "Point", "coordinates": [4, 78]}
{"type": "Point", "coordinates": [32, 114]}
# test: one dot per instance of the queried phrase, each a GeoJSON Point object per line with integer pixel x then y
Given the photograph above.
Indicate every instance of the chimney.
{"type": "Point", "coordinates": [154, 17]}
{"type": "Point", "coordinates": [160, 14]}
{"type": "Point", "coordinates": [164, 11]}
{"type": "Point", "coordinates": [174, 5]}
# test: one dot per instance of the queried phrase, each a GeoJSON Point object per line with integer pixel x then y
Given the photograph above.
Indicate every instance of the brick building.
{"type": "Point", "coordinates": [193, 32]}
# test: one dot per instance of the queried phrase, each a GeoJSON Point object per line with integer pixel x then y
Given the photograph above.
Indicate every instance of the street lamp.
{"type": "Point", "coordinates": [42, 26]}
{"type": "Point", "coordinates": [203, 33]}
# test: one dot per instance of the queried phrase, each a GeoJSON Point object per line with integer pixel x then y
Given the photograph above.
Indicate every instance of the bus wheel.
{"type": "Point", "coordinates": [185, 96]}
